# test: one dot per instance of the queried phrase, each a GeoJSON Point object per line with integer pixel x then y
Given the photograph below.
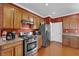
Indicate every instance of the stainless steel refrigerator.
{"type": "Point", "coordinates": [45, 32]}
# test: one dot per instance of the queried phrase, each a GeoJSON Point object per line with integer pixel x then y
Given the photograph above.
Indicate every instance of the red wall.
{"type": "Point", "coordinates": [49, 19]}
{"type": "Point", "coordinates": [59, 19]}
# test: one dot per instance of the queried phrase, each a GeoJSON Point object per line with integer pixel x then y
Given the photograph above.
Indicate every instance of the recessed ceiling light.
{"type": "Point", "coordinates": [46, 4]}
{"type": "Point", "coordinates": [53, 13]}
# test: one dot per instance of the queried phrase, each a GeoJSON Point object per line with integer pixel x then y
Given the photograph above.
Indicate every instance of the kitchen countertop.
{"type": "Point", "coordinates": [3, 42]}
{"type": "Point", "coordinates": [71, 34]}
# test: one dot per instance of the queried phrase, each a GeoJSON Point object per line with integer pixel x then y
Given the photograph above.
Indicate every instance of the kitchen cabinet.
{"type": "Point", "coordinates": [73, 22]}
{"type": "Point", "coordinates": [31, 17]}
{"type": "Point", "coordinates": [0, 32]}
{"type": "Point", "coordinates": [11, 16]}
{"type": "Point", "coordinates": [12, 49]}
{"type": "Point", "coordinates": [17, 18]}
{"type": "Point", "coordinates": [39, 41]}
{"type": "Point", "coordinates": [42, 20]}
{"type": "Point", "coordinates": [8, 52]}
{"type": "Point", "coordinates": [8, 12]}
{"type": "Point", "coordinates": [71, 41]}
{"type": "Point", "coordinates": [39, 22]}
{"type": "Point", "coordinates": [1, 16]}
{"type": "Point", "coordinates": [66, 40]}
{"type": "Point", "coordinates": [34, 26]}
{"type": "Point", "coordinates": [74, 42]}
{"type": "Point", "coordinates": [36, 22]}
{"type": "Point", "coordinates": [25, 15]}
{"type": "Point", "coordinates": [70, 22]}
{"type": "Point", "coordinates": [66, 23]}
{"type": "Point", "coordinates": [19, 50]}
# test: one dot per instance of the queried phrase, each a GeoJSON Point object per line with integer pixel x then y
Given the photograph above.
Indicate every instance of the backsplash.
{"type": "Point", "coordinates": [25, 28]}
{"type": "Point", "coordinates": [70, 31]}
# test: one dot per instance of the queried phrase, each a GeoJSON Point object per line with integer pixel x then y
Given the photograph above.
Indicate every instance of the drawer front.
{"type": "Point", "coordinates": [11, 45]}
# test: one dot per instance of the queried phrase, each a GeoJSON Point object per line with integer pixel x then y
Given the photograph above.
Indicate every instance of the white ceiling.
{"type": "Point", "coordinates": [53, 9]}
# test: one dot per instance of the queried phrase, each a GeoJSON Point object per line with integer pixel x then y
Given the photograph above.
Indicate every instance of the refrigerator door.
{"type": "Point", "coordinates": [47, 28]}
{"type": "Point", "coordinates": [45, 35]}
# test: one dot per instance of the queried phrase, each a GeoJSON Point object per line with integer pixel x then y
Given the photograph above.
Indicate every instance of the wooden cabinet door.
{"type": "Point", "coordinates": [1, 15]}
{"type": "Point", "coordinates": [0, 32]}
{"type": "Point", "coordinates": [39, 41]}
{"type": "Point", "coordinates": [74, 42]}
{"type": "Point", "coordinates": [34, 27]}
{"type": "Point", "coordinates": [25, 15]}
{"type": "Point", "coordinates": [19, 50]}
{"type": "Point", "coordinates": [39, 21]}
{"type": "Point", "coordinates": [31, 18]}
{"type": "Point", "coordinates": [36, 20]}
{"type": "Point", "coordinates": [66, 23]}
{"type": "Point", "coordinates": [8, 12]}
{"type": "Point", "coordinates": [73, 22]}
{"type": "Point", "coordinates": [42, 20]}
{"type": "Point", "coordinates": [70, 22]}
{"type": "Point", "coordinates": [17, 18]}
{"type": "Point", "coordinates": [66, 40]}
{"type": "Point", "coordinates": [8, 52]}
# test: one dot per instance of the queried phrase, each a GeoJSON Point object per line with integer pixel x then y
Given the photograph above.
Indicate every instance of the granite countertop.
{"type": "Point", "coordinates": [3, 42]}
{"type": "Point", "coordinates": [71, 34]}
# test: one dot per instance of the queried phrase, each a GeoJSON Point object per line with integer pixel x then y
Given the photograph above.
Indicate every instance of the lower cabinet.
{"type": "Point", "coordinates": [71, 41]}
{"type": "Point", "coordinates": [39, 41]}
{"type": "Point", "coordinates": [19, 50]}
{"type": "Point", "coordinates": [8, 52]}
{"type": "Point", "coordinates": [15, 49]}
{"type": "Point", "coordinates": [66, 40]}
{"type": "Point", "coordinates": [74, 42]}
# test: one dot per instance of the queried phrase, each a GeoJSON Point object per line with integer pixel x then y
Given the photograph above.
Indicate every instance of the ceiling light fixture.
{"type": "Point", "coordinates": [53, 13]}
{"type": "Point", "coordinates": [46, 4]}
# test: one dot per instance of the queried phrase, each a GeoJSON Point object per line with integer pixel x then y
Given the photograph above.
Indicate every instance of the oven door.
{"type": "Point", "coordinates": [31, 46]}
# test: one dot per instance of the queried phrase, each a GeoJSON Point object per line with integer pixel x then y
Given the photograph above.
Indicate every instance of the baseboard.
{"type": "Point", "coordinates": [56, 42]}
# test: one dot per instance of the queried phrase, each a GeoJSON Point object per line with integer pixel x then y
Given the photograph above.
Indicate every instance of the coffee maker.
{"type": "Point", "coordinates": [10, 35]}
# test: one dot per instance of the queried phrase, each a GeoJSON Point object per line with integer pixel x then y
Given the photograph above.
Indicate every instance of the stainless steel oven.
{"type": "Point", "coordinates": [30, 47]}
{"type": "Point", "coordinates": [30, 43]}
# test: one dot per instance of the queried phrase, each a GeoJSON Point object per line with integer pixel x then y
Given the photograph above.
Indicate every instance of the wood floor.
{"type": "Point", "coordinates": [56, 49]}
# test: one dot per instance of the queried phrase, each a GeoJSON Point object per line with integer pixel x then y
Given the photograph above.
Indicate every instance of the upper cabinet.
{"type": "Point", "coordinates": [25, 15]}
{"type": "Point", "coordinates": [70, 22]}
{"type": "Point", "coordinates": [66, 23]}
{"type": "Point", "coordinates": [17, 18]}
{"type": "Point", "coordinates": [8, 12]}
{"type": "Point", "coordinates": [1, 11]}
{"type": "Point", "coordinates": [73, 22]}
{"type": "Point", "coordinates": [36, 22]}
{"type": "Point", "coordinates": [30, 17]}
{"type": "Point", "coordinates": [11, 17]}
